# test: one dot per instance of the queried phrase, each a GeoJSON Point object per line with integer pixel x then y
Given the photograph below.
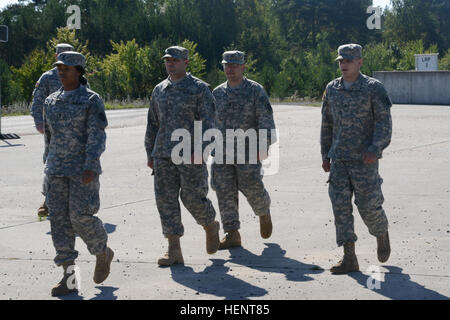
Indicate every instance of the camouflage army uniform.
{"type": "Point", "coordinates": [177, 105]}
{"type": "Point", "coordinates": [355, 121]}
{"type": "Point", "coordinates": [245, 107]}
{"type": "Point", "coordinates": [75, 139]}
{"type": "Point", "coordinates": [48, 83]}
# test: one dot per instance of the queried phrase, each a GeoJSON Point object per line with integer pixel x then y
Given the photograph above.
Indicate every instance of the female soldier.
{"type": "Point", "coordinates": [75, 123]}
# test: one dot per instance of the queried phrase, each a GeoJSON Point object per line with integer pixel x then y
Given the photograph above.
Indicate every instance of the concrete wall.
{"type": "Point", "coordinates": [416, 87]}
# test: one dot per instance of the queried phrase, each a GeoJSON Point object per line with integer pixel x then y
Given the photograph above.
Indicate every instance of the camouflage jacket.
{"type": "Point", "coordinates": [245, 107]}
{"type": "Point", "coordinates": [75, 134]}
{"type": "Point", "coordinates": [177, 106]}
{"type": "Point", "coordinates": [356, 120]}
{"type": "Point", "coordinates": [48, 83]}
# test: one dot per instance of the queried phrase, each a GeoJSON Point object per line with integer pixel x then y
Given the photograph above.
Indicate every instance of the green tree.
{"type": "Point", "coordinates": [303, 21]}
{"type": "Point", "coordinates": [444, 62]}
{"type": "Point", "coordinates": [26, 76]}
{"type": "Point", "coordinates": [407, 61]}
{"type": "Point", "coordinates": [132, 71]}
{"type": "Point", "coordinates": [412, 20]}
{"type": "Point", "coordinates": [197, 65]}
{"type": "Point", "coordinates": [64, 35]}
{"type": "Point", "coordinates": [379, 57]}
{"type": "Point", "coordinates": [10, 92]}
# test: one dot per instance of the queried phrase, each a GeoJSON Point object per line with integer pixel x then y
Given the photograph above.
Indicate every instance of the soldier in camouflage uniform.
{"type": "Point", "coordinates": [47, 84]}
{"type": "Point", "coordinates": [241, 104]}
{"type": "Point", "coordinates": [176, 103]}
{"type": "Point", "coordinates": [74, 124]}
{"type": "Point", "coordinates": [356, 128]}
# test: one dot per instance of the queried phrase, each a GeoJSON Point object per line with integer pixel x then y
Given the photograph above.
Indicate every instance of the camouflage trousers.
{"type": "Point", "coordinates": [227, 180]}
{"type": "Point", "coordinates": [188, 182]}
{"type": "Point", "coordinates": [72, 206]}
{"type": "Point", "coordinates": [348, 178]}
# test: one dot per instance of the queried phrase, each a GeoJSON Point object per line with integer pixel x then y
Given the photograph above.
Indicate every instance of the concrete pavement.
{"type": "Point", "coordinates": [293, 264]}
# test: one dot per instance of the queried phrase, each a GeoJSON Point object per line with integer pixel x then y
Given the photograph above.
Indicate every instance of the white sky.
{"type": "Point", "coordinates": [377, 3]}
{"type": "Point", "coordinates": [381, 3]}
{"type": "Point", "coordinates": [4, 3]}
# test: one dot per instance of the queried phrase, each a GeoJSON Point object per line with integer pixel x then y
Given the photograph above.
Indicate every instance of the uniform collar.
{"type": "Point", "coordinates": [182, 84]}
{"type": "Point", "coordinates": [241, 86]}
{"type": "Point", "coordinates": [355, 87]}
{"type": "Point", "coordinates": [82, 93]}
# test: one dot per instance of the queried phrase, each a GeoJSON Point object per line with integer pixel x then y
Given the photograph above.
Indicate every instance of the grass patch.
{"type": "Point", "coordinates": [15, 114]}
{"type": "Point", "coordinates": [109, 106]}
{"type": "Point", "coordinates": [23, 109]}
{"type": "Point", "coordinates": [299, 103]}
{"type": "Point", "coordinates": [16, 109]}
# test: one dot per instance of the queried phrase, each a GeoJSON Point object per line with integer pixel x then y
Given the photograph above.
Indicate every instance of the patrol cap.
{"type": "Point", "coordinates": [176, 52]}
{"type": "Point", "coordinates": [62, 47]}
{"type": "Point", "coordinates": [236, 57]}
{"type": "Point", "coordinates": [349, 52]}
{"type": "Point", "coordinates": [71, 58]}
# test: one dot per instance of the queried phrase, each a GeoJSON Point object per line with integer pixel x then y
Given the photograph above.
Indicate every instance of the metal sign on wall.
{"type": "Point", "coordinates": [427, 62]}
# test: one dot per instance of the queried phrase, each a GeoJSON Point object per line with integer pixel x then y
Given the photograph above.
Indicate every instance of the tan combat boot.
{"type": "Point", "coordinates": [384, 247]}
{"type": "Point", "coordinates": [265, 226]}
{"type": "Point", "coordinates": [103, 265]}
{"type": "Point", "coordinates": [61, 289]}
{"type": "Point", "coordinates": [212, 237]}
{"type": "Point", "coordinates": [173, 255]}
{"type": "Point", "coordinates": [232, 239]}
{"type": "Point", "coordinates": [43, 211]}
{"type": "Point", "coordinates": [349, 263]}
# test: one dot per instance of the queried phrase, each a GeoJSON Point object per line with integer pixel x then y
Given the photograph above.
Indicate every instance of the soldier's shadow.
{"type": "Point", "coordinates": [215, 280]}
{"type": "Point", "coordinates": [273, 259]}
{"type": "Point", "coordinates": [398, 286]}
{"type": "Point", "coordinates": [72, 297]}
{"type": "Point", "coordinates": [106, 293]}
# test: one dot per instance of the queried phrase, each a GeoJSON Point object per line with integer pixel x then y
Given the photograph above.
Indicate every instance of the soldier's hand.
{"type": "Point", "coordinates": [87, 176]}
{"type": "Point", "coordinates": [40, 128]}
{"type": "Point", "coordinates": [150, 164]}
{"type": "Point", "coordinates": [326, 165]}
{"type": "Point", "coordinates": [369, 158]}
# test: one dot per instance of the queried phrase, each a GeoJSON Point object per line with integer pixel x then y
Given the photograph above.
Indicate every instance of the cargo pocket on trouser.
{"type": "Point", "coordinates": [369, 198]}
{"type": "Point", "coordinates": [94, 202]}
{"type": "Point", "coordinates": [84, 204]}
{"type": "Point", "coordinates": [57, 196]}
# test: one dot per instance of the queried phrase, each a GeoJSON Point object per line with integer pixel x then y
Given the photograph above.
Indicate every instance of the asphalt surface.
{"type": "Point", "coordinates": [293, 264]}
